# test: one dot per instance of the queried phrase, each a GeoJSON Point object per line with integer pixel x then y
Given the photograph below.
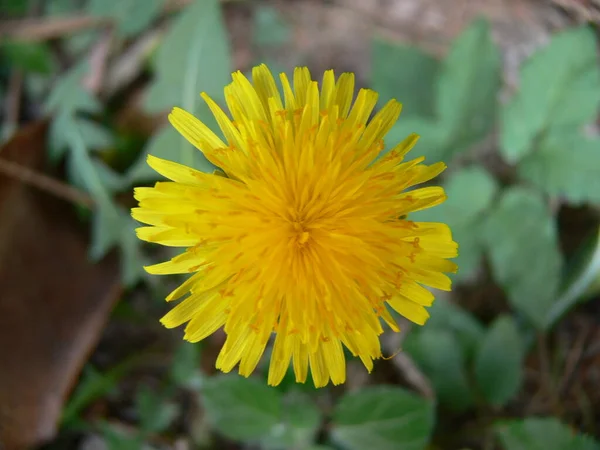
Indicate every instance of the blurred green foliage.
{"type": "Point", "coordinates": [474, 366]}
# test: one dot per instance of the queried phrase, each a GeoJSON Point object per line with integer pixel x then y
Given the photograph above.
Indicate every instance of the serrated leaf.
{"type": "Point", "coordinates": [270, 28]}
{"type": "Point", "coordinates": [432, 140]}
{"type": "Point", "coordinates": [559, 87]}
{"type": "Point", "coordinates": [470, 193]}
{"type": "Point", "coordinates": [185, 369]}
{"type": "Point", "coordinates": [194, 57]}
{"type": "Point", "coordinates": [467, 87]}
{"type": "Point", "coordinates": [298, 426]}
{"type": "Point", "coordinates": [132, 259]}
{"type": "Point", "coordinates": [68, 96]}
{"type": "Point", "coordinates": [167, 144]}
{"type": "Point", "coordinates": [542, 434]}
{"type": "Point", "coordinates": [446, 315]}
{"type": "Point", "coordinates": [132, 16]}
{"type": "Point", "coordinates": [406, 74]}
{"type": "Point", "coordinates": [382, 417]}
{"type": "Point", "coordinates": [441, 357]}
{"type": "Point", "coordinates": [241, 408]}
{"type": "Point", "coordinates": [566, 164]}
{"type": "Point", "coordinates": [33, 57]}
{"type": "Point", "coordinates": [499, 362]}
{"type": "Point", "coordinates": [156, 414]}
{"type": "Point", "coordinates": [521, 240]}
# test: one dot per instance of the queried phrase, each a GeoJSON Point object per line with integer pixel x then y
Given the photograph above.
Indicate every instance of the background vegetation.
{"type": "Point", "coordinates": [510, 360]}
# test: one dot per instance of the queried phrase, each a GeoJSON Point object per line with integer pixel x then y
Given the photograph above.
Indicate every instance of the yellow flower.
{"type": "Point", "coordinates": [305, 234]}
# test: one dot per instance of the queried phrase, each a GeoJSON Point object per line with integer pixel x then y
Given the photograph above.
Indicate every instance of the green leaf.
{"type": "Point", "coordinates": [185, 369]}
{"type": "Point", "coordinates": [241, 408]}
{"type": "Point", "coordinates": [470, 193]}
{"type": "Point", "coordinates": [132, 259]}
{"type": "Point", "coordinates": [156, 414]}
{"type": "Point", "coordinates": [68, 96]}
{"type": "Point", "coordinates": [560, 87]}
{"type": "Point", "coordinates": [542, 434]}
{"type": "Point", "coordinates": [33, 57]}
{"type": "Point", "coordinates": [167, 144]}
{"type": "Point", "coordinates": [120, 440]}
{"type": "Point", "coordinates": [299, 424]}
{"type": "Point", "coordinates": [382, 417]}
{"type": "Point", "coordinates": [441, 357]}
{"type": "Point", "coordinates": [132, 16]}
{"type": "Point", "coordinates": [566, 164]}
{"type": "Point", "coordinates": [499, 362]}
{"type": "Point", "coordinates": [432, 141]}
{"type": "Point", "coordinates": [521, 240]}
{"type": "Point", "coordinates": [446, 315]}
{"type": "Point", "coordinates": [406, 74]}
{"type": "Point", "coordinates": [194, 57]}
{"type": "Point", "coordinates": [270, 28]}
{"type": "Point", "coordinates": [467, 87]}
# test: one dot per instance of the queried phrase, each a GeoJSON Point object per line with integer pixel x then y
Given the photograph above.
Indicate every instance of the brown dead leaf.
{"type": "Point", "coordinates": [53, 302]}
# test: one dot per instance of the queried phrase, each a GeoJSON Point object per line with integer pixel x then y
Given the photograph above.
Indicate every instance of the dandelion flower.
{"type": "Point", "coordinates": [303, 234]}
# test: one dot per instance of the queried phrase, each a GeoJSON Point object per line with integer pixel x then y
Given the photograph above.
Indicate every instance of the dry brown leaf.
{"type": "Point", "coordinates": [53, 302]}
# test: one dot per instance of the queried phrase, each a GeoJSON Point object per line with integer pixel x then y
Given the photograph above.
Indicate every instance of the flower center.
{"type": "Point", "coordinates": [301, 235]}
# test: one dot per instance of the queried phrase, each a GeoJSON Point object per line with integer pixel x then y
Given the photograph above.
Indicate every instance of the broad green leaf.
{"type": "Point", "coordinates": [193, 58]}
{"type": "Point", "coordinates": [29, 56]}
{"type": "Point", "coordinates": [155, 413]}
{"type": "Point", "coordinates": [132, 16]}
{"type": "Point", "coordinates": [117, 439]}
{"type": "Point", "coordinates": [382, 417]}
{"type": "Point", "coordinates": [499, 362]}
{"type": "Point", "coordinates": [560, 87]}
{"type": "Point", "coordinates": [270, 28]}
{"type": "Point", "coordinates": [542, 434]}
{"type": "Point", "coordinates": [470, 193]}
{"type": "Point", "coordinates": [432, 140]}
{"type": "Point", "coordinates": [566, 164]}
{"type": "Point", "coordinates": [441, 357]}
{"type": "Point", "coordinates": [446, 315]}
{"type": "Point", "coordinates": [241, 408]}
{"type": "Point", "coordinates": [14, 8]}
{"type": "Point", "coordinates": [132, 259]}
{"type": "Point", "coordinates": [406, 74]}
{"type": "Point", "coordinates": [521, 240]}
{"type": "Point", "coordinates": [467, 87]}
{"type": "Point", "coordinates": [299, 424]}
{"type": "Point", "coordinates": [185, 368]}
{"type": "Point", "coordinates": [167, 144]}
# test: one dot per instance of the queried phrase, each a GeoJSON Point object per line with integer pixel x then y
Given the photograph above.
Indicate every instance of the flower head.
{"type": "Point", "coordinates": [305, 235]}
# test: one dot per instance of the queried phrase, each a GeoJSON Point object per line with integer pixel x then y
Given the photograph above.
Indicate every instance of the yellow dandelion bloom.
{"type": "Point", "coordinates": [305, 234]}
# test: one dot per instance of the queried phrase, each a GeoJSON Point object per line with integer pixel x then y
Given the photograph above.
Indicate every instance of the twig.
{"type": "Point", "coordinates": [573, 359]}
{"type": "Point", "coordinates": [45, 183]}
{"type": "Point", "coordinates": [49, 28]}
{"type": "Point", "coordinates": [98, 60]}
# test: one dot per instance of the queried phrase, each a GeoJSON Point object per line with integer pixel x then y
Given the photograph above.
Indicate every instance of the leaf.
{"type": "Point", "coordinates": [446, 315]}
{"type": "Point", "coordinates": [565, 165]}
{"type": "Point", "coordinates": [156, 414]}
{"type": "Point", "coordinates": [165, 144]}
{"type": "Point", "coordinates": [131, 258]}
{"type": "Point", "coordinates": [441, 357]}
{"type": "Point", "coordinates": [559, 88]}
{"type": "Point", "coordinates": [467, 87]}
{"type": "Point", "coordinates": [68, 96]}
{"type": "Point", "coordinates": [270, 28]}
{"type": "Point", "coordinates": [521, 240]}
{"type": "Point", "coordinates": [132, 16]}
{"type": "Point", "coordinates": [499, 362]}
{"type": "Point", "coordinates": [470, 193]}
{"type": "Point", "coordinates": [432, 141]}
{"type": "Point", "coordinates": [382, 417]}
{"type": "Point", "coordinates": [541, 434]}
{"type": "Point", "coordinates": [241, 408]}
{"type": "Point", "coordinates": [406, 74]}
{"type": "Point", "coordinates": [54, 302]}
{"type": "Point", "coordinates": [33, 57]}
{"type": "Point", "coordinates": [185, 369]}
{"type": "Point", "coordinates": [194, 57]}
{"type": "Point", "coordinates": [299, 424]}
